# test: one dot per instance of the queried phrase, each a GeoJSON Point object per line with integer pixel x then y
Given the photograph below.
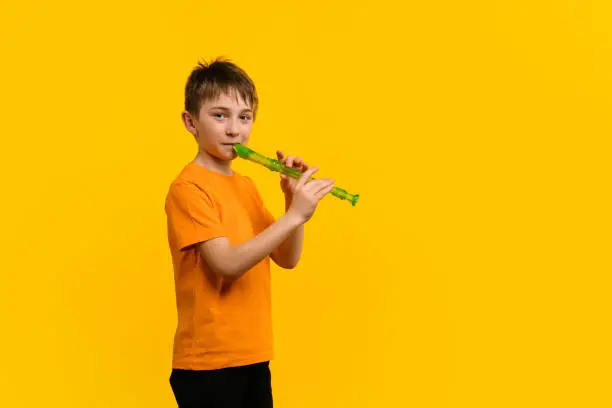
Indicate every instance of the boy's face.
{"type": "Point", "coordinates": [220, 124]}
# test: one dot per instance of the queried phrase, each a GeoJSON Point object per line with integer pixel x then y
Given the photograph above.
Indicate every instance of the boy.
{"type": "Point", "coordinates": [221, 238]}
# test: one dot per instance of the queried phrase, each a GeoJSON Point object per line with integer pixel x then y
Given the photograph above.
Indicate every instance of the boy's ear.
{"type": "Point", "coordinates": [188, 121]}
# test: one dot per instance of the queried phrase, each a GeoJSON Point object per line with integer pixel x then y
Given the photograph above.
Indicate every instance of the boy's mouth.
{"type": "Point", "coordinates": [230, 145]}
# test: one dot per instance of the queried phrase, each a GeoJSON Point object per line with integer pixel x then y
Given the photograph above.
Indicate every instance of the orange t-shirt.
{"type": "Point", "coordinates": [220, 323]}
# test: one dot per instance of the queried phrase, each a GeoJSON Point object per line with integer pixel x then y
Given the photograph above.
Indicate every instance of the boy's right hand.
{"type": "Point", "coordinates": [308, 194]}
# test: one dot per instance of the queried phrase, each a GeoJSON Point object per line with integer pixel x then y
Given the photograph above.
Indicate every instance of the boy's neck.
{"type": "Point", "coordinates": [214, 164]}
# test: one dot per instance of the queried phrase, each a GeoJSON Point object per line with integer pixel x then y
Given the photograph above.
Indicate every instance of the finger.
{"type": "Point", "coordinates": [304, 167]}
{"type": "Point", "coordinates": [313, 186]}
{"type": "Point", "coordinates": [324, 191]}
{"type": "Point", "coordinates": [289, 162]}
{"type": "Point", "coordinates": [281, 158]}
{"type": "Point", "coordinates": [305, 176]}
{"type": "Point", "coordinates": [297, 163]}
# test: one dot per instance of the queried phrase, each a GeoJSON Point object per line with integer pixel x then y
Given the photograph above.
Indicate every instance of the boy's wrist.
{"type": "Point", "coordinates": [287, 203]}
{"type": "Point", "coordinates": [293, 219]}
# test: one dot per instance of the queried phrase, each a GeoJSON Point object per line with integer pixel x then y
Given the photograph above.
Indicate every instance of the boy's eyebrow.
{"type": "Point", "coordinates": [225, 108]}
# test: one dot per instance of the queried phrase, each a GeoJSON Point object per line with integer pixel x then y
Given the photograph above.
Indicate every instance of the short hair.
{"type": "Point", "coordinates": [209, 80]}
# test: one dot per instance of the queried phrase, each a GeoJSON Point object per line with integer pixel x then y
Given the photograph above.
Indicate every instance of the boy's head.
{"type": "Point", "coordinates": [220, 107]}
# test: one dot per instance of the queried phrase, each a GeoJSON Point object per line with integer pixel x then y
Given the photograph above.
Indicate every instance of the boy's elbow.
{"type": "Point", "coordinates": [292, 264]}
{"type": "Point", "coordinates": [226, 270]}
{"type": "Point", "coordinates": [286, 263]}
{"type": "Point", "coordinates": [220, 261]}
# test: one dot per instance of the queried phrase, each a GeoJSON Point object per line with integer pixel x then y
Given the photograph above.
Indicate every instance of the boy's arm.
{"type": "Point", "coordinates": [287, 255]}
{"type": "Point", "coordinates": [231, 262]}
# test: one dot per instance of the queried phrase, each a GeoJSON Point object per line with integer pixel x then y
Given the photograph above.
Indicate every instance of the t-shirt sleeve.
{"type": "Point", "coordinates": [192, 215]}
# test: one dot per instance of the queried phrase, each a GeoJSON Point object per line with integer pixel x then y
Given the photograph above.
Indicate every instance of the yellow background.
{"type": "Point", "coordinates": [473, 273]}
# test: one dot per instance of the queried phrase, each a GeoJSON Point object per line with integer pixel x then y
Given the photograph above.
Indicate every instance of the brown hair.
{"type": "Point", "coordinates": [209, 80]}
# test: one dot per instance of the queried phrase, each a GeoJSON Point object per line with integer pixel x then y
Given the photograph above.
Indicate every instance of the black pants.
{"type": "Point", "coordinates": [235, 387]}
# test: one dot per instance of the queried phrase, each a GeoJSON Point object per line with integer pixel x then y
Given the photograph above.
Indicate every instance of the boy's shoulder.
{"type": "Point", "coordinates": [199, 187]}
{"type": "Point", "coordinates": [197, 177]}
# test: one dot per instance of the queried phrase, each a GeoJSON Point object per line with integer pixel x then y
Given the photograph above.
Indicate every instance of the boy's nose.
{"type": "Point", "coordinates": [231, 129]}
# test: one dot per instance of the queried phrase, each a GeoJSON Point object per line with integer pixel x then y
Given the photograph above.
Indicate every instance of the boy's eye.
{"type": "Point", "coordinates": [245, 117]}
{"type": "Point", "coordinates": [219, 115]}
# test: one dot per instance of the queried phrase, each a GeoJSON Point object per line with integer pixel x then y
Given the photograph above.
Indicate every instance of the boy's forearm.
{"type": "Point", "coordinates": [250, 253]}
{"type": "Point", "coordinates": [287, 255]}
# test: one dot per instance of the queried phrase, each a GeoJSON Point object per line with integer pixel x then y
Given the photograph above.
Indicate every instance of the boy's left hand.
{"type": "Point", "coordinates": [288, 183]}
